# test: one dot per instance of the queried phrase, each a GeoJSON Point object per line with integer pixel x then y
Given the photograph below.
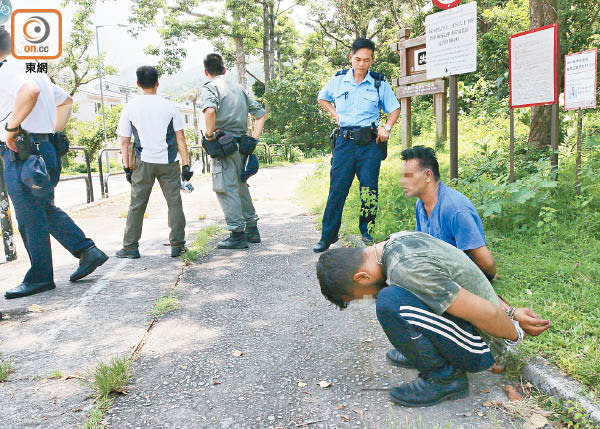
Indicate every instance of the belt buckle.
{"type": "Point", "coordinates": [348, 135]}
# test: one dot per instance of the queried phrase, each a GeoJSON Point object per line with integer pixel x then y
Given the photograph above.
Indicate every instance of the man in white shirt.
{"type": "Point", "coordinates": [158, 131]}
{"type": "Point", "coordinates": [33, 104]}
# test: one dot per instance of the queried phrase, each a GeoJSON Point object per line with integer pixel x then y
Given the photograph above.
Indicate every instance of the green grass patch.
{"type": "Point", "coordinates": [6, 368]}
{"type": "Point", "coordinates": [111, 377]}
{"type": "Point", "coordinates": [201, 245]}
{"type": "Point", "coordinates": [54, 374]}
{"type": "Point", "coordinates": [97, 414]}
{"type": "Point", "coordinates": [164, 305]}
{"type": "Point", "coordinates": [545, 239]}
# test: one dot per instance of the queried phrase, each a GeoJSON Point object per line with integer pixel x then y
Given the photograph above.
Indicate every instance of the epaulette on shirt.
{"type": "Point", "coordinates": [378, 77]}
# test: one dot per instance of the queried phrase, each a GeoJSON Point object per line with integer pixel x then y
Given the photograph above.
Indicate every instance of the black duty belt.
{"type": "Point", "coordinates": [359, 135]}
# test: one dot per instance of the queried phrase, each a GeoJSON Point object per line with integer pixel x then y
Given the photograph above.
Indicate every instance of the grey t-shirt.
{"type": "Point", "coordinates": [232, 104]}
{"type": "Point", "coordinates": [434, 271]}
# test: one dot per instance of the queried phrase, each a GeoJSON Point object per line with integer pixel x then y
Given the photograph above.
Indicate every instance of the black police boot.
{"type": "Point", "coordinates": [26, 289]}
{"type": "Point", "coordinates": [177, 251]}
{"type": "Point", "coordinates": [398, 359]}
{"type": "Point", "coordinates": [131, 254]}
{"type": "Point", "coordinates": [237, 240]}
{"type": "Point", "coordinates": [428, 390]}
{"type": "Point", "coordinates": [89, 260]}
{"type": "Point", "coordinates": [252, 234]}
{"type": "Point", "coordinates": [323, 245]}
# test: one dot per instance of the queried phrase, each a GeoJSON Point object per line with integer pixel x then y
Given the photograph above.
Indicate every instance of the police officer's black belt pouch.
{"type": "Point", "coordinates": [24, 145]}
{"type": "Point", "coordinates": [363, 136]}
{"type": "Point", "coordinates": [247, 145]}
{"type": "Point", "coordinates": [61, 143]}
{"type": "Point", "coordinates": [220, 147]}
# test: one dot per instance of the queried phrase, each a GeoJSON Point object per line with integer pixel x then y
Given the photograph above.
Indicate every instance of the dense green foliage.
{"type": "Point", "coordinates": [90, 135]}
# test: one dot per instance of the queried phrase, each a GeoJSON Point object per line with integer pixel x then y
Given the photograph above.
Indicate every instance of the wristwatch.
{"type": "Point", "coordinates": [11, 130]}
{"type": "Point", "coordinates": [387, 127]}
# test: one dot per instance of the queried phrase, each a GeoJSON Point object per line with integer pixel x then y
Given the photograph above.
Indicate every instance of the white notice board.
{"type": "Point", "coordinates": [452, 41]}
{"type": "Point", "coordinates": [580, 80]}
{"type": "Point", "coordinates": [532, 67]}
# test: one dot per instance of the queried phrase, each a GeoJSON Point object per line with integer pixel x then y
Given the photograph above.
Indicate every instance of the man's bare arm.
{"type": "Point", "coordinates": [330, 108]}
{"type": "Point", "coordinates": [182, 147]}
{"type": "Point", "coordinates": [125, 150]}
{"type": "Point", "coordinates": [27, 97]}
{"type": "Point", "coordinates": [484, 260]}
{"type": "Point", "coordinates": [259, 124]}
{"type": "Point", "coordinates": [63, 113]}
{"type": "Point", "coordinates": [210, 121]}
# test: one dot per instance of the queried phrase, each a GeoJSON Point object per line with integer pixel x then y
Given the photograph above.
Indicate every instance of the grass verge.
{"type": "Point", "coordinates": [201, 245]}
{"type": "Point", "coordinates": [164, 305]}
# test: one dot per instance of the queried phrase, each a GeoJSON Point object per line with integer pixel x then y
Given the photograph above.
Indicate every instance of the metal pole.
{"type": "Point", "coordinates": [453, 127]}
{"type": "Point", "coordinates": [511, 174]}
{"type": "Point", "coordinates": [578, 160]}
{"type": "Point", "coordinates": [5, 220]}
{"type": "Point", "coordinates": [554, 139]}
{"type": "Point", "coordinates": [102, 97]}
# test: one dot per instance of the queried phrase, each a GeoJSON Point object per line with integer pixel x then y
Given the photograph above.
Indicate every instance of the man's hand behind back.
{"type": "Point", "coordinates": [530, 321]}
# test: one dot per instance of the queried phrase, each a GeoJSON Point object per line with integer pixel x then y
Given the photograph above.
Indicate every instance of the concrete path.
{"type": "Point", "coordinates": [263, 302]}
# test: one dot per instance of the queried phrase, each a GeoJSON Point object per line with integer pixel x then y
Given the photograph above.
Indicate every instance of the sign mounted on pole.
{"type": "Point", "coordinates": [452, 41]}
{"type": "Point", "coordinates": [446, 4]}
{"type": "Point", "coordinates": [580, 80]}
{"type": "Point", "coordinates": [532, 67]}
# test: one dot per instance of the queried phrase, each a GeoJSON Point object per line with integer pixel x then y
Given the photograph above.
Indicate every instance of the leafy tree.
{"type": "Point", "coordinates": [296, 116]}
{"type": "Point", "coordinates": [90, 135]}
{"type": "Point", "coordinates": [77, 65]}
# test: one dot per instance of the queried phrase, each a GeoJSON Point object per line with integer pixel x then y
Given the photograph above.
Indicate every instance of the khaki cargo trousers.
{"type": "Point", "coordinates": [232, 193]}
{"type": "Point", "coordinates": [142, 181]}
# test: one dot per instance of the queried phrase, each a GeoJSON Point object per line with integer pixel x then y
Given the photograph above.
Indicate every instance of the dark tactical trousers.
{"type": "Point", "coordinates": [38, 218]}
{"type": "Point", "coordinates": [350, 159]}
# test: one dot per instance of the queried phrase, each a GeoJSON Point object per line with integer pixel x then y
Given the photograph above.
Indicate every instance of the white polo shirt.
{"type": "Point", "coordinates": [43, 116]}
{"type": "Point", "coordinates": [152, 120]}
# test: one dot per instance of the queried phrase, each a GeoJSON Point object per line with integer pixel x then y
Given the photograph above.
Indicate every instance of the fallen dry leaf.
{"type": "Point", "coordinates": [479, 413]}
{"type": "Point", "coordinates": [497, 368]}
{"type": "Point", "coordinates": [485, 391]}
{"type": "Point", "coordinates": [302, 384]}
{"type": "Point", "coordinates": [360, 413]}
{"type": "Point", "coordinates": [216, 382]}
{"type": "Point", "coordinates": [367, 340]}
{"type": "Point", "coordinates": [324, 384]}
{"type": "Point", "coordinates": [36, 308]}
{"type": "Point", "coordinates": [487, 404]}
{"type": "Point", "coordinates": [69, 377]}
{"type": "Point", "coordinates": [345, 418]}
{"type": "Point", "coordinates": [341, 406]}
{"type": "Point", "coordinates": [237, 353]}
{"type": "Point", "coordinates": [536, 421]}
{"type": "Point", "coordinates": [512, 393]}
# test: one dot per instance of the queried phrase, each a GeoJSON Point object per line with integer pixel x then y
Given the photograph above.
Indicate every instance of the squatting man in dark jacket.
{"type": "Point", "coordinates": [436, 307]}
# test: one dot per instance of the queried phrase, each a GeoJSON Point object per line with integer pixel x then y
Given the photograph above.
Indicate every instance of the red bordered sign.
{"type": "Point", "coordinates": [446, 4]}
{"type": "Point", "coordinates": [524, 82]}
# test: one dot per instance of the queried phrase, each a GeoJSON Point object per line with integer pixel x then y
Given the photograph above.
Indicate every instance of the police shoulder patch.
{"type": "Point", "coordinates": [342, 72]}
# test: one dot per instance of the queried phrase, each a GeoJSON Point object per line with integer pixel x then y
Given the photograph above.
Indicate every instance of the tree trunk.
{"type": "Point", "coordinates": [541, 12]}
{"type": "Point", "coordinates": [266, 36]}
{"type": "Point", "coordinates": [271, 41]}
{"type": "Point", "coordinates": [279, 65]}
{"type": "Point", "coordinates": [240, 62]}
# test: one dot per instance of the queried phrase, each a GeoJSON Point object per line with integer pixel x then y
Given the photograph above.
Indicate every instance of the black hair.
{"type": "Point", "coordinates": [335, 271]}
{"type": "Point", "coordinates": [426, 157]}
{"type": "Point", "coordinates": [213, 63]}
{"type": "Point", "coordinates": [147, 76]}
{"type": "Point", "coordinates": [361, 43]}
{"type": "Point", "coordinates": [4, 41]}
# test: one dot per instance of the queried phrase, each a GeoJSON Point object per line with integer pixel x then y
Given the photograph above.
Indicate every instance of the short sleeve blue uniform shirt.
{"type": "Point", "coordinates": [358, 104]}
{"type": "Point", "coordinates": [454, 220]}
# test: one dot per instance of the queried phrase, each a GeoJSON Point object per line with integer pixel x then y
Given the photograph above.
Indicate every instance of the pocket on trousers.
{"type": "Point", "coordinates": [218, 183]}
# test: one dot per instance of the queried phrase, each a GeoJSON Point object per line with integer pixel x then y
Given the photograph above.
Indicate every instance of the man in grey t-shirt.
{"type": "Point", "coordinates": [436, 307]}
{"type": "Point", "coordinates": [226, 106]}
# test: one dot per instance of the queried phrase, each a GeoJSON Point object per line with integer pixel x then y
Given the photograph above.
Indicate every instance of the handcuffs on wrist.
{"type": "Point", "coordinates": [510, 312]}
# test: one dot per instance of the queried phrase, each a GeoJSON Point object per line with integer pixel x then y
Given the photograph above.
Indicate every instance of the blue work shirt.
{"type": "Point", "coordinates": [454, 220]}
{"type": "Point", "coordinates": [358, 104]}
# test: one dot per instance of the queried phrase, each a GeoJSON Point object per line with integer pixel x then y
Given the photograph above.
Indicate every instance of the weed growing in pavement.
{"type": "Point", "coordinates": [201, 245]}
{"type": "Point", "coordinates": [54, 374]}
{"type": "Point", "coordinates": [164, 305]}
{"type": "Point", "coordinates": [569, 414]}
{"type": "Point", "coordinates": [96, 416]}
{"type": "Point", "coordinates": [6, 368]}
{"type": "Point", "coordinates": [111, 377]}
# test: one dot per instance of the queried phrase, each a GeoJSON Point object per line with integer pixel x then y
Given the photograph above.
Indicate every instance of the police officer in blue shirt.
{"type": "Point", "coordinates": [354, 99]}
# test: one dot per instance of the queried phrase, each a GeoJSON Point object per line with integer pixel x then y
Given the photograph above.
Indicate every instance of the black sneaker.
{"type": "Point", "coordinates": [398, 359]}
{"type": "Point", "coordinates": [426, 391]}
{"type": "Point", "coordinates": [131, 254]}
{"type": "Point", "coordinates": [323, 245]}
{"type": "Point", "coordinates": [252, 234]}
{"type": "Point", "coordinates": [26, 289]}
{"type": "Point", "coordinates": [177, 251]}
{"type": "Point", "coordinates": [89, 260]}
{"type": "Point", "coordinates": [237, 240]}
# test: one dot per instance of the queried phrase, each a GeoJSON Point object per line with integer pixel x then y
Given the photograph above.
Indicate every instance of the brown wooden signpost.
{"type": "Point", "coordinates": [413, 82]}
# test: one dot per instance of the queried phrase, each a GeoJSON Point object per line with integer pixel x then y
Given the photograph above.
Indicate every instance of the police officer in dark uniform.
{"type": "Point", "coordinates": [354, 99]}
{"type": "Point", "coordinates": [33, 104]}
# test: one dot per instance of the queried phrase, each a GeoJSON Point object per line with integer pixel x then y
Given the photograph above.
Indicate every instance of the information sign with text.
{"type": "Point", "coordinates": [451, 38]}
{"type": "Point", "coordinates": [580, 80]}
{"type": "Point", "coordinates": [532, 67]}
